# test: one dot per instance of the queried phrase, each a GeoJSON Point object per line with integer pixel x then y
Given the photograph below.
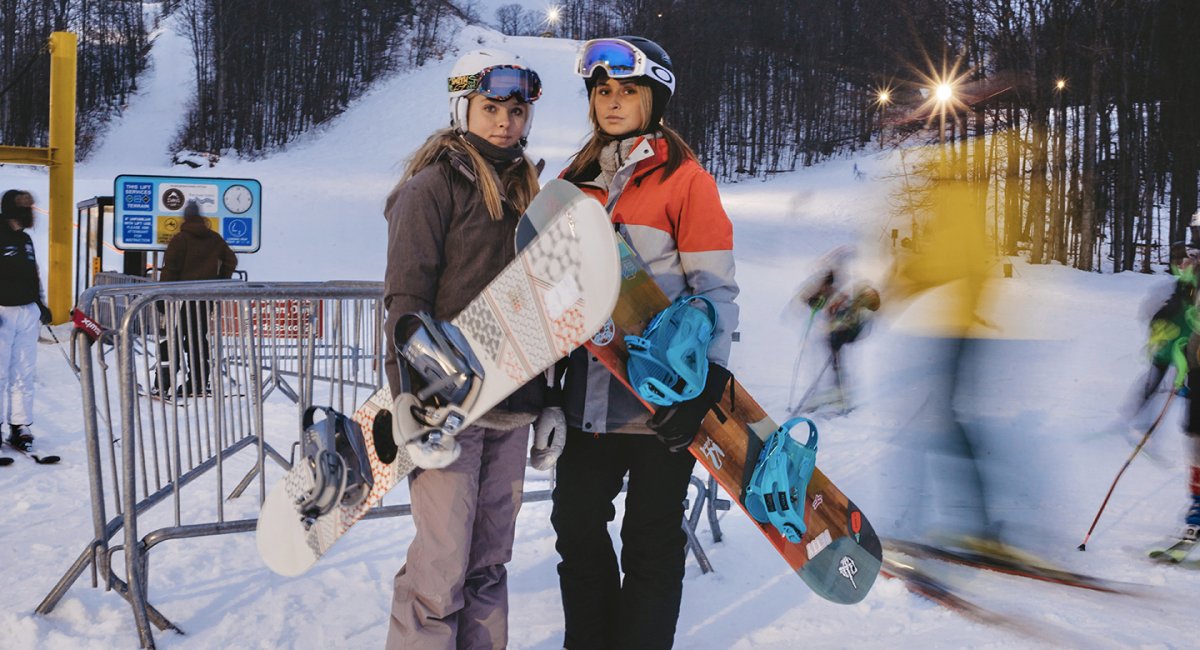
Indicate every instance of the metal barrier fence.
{"type": "Point", "coordinates": [177, 386]}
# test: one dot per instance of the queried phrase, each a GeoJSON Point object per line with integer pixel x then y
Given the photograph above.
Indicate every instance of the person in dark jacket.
{"type": "Point", "coordinates": [669, 209]}
{"type": "Point", "coordinates": [451, 224]}
{"type": "Point", "coordinates": [196, 252]}
{"type": "Point", "coordinates": [22, 311]}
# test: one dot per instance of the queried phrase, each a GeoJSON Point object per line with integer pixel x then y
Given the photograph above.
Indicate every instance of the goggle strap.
{"type": "Point", "coordinates": [464, 82]}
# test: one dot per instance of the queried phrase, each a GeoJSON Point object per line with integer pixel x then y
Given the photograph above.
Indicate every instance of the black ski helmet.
{"type": "Point", "coordinates": [661, 75]}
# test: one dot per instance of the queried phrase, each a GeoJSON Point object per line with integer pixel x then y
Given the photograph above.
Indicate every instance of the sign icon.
{"type": "Point", "coordinates": [173, 199]}
{"type": "Point", "coordinates": [238, 231]}
{"type": "Point", "coordinates": [238, 199]}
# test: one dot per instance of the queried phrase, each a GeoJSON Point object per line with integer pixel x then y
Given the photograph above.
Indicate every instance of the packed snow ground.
{"type": "Point", "coordinates": [1045, 405]}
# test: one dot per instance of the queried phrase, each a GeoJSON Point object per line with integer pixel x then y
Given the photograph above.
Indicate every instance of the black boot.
{"type": "Point", "coordinates": [19, 437]}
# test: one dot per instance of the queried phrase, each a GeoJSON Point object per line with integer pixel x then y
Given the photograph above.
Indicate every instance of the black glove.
{"type": "Point", "coordinates": [46, 316]}
{"type": "Point", "coordinates": [676, 425]}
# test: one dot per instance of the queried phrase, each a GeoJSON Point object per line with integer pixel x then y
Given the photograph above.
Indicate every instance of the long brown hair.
{"type": "Point", "coordinates": [586, 160]}
{"type": "Point", "coordinates": [520, 180]}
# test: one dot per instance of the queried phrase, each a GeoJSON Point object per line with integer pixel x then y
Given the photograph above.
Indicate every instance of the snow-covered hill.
{"type": "Point", "coordinates": [1038, 403]}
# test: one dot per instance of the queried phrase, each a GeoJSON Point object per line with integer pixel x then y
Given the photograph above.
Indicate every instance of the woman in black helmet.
{"type": "Point", "coordinates": [670, 212]}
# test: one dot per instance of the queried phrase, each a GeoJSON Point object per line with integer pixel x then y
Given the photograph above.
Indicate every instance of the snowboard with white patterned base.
{"type": "Point", "coordinates": [550, 300]}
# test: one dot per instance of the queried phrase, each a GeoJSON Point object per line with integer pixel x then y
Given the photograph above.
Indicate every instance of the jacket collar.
{"type": "Point", "coordinates": [461, 163]}
{"type": "Point", "coordinates": [649, 153]}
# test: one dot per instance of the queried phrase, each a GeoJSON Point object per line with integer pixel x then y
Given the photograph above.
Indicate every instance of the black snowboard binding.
{"type": "Point", "coordinates": [334, 451]}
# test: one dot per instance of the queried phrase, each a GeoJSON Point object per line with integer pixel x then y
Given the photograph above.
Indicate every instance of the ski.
{"type": "Point", "coordinates": [543, 305]}
{"type": "Point", "coordinates": [1020, 565]}
{"type": "Point", "coordinates": [26, 450]}
{"type": "Point", "coordinates": [925, 585]}
{"type": "Point", "coordinates": [1174, 554]}
{"type": "Point", "coordinates": [1177, 552]}
{"type": "Point", "coordinates": [5, 461]}
{"type": "Point", "coordinates": [839, 555]}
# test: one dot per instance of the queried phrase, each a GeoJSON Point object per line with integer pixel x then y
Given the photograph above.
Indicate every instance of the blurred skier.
{"type": "Point", "coordinates": [1191, 530]}
{"type": "Point", "coordinates": [950, 268]}
{"type": "Point", "coordinates": [847, 316]}
{"type": "Point", "coordinates": [810, 299]}
{"type": "Point", "coordinates": [1170, 327]}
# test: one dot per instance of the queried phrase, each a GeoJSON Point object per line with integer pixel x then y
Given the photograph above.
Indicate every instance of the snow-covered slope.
{"type": "Point", "coordinates": [1037, 403]}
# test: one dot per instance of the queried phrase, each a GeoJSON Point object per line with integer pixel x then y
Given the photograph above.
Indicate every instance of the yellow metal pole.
{"type": "Point", "coordinates": [63, 46]}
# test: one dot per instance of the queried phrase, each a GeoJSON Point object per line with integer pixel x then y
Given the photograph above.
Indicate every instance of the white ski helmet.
{"type": "Point", "coordinates": [493, 73]}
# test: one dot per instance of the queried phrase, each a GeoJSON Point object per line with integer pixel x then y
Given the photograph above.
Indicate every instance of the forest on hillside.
{"type": "Point", "coordinates": [1070, 117]}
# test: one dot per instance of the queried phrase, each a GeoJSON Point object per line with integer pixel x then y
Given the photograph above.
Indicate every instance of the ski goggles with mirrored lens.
{"type": "Point", "coordinates": [620, 60]}
{"type": "Point", "coordinates": [500, 83]}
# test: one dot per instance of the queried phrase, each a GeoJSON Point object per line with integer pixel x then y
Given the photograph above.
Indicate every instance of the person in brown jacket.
{"type": "Point", "coordinates": [451, 223]}
{"type": "Point", "coordinates": [195, 253]}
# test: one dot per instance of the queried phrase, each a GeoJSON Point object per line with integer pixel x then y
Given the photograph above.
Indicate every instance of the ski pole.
{"type": "Point", "coordinates": [1142, 443]}
{"type": "Point", "coordinates": [812, 389]}
{"type": "Point", "coordinates": [64, 352]}
{"type": "Point", "coordinates": [800, 355]}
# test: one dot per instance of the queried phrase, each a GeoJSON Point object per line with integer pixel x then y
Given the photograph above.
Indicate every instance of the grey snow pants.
{"type": "Point", "coordinates": [452, 593]}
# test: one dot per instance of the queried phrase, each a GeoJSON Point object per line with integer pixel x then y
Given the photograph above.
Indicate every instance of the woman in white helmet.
{"type": "Point", "coordinates": [451, 222]}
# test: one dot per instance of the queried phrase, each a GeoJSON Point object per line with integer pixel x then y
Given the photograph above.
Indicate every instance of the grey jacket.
{"type": "Point", "coordinates": [443, 249]}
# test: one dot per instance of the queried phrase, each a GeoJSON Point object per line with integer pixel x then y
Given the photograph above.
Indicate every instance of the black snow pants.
{"type": "Point", "coordinates": [602, 609]}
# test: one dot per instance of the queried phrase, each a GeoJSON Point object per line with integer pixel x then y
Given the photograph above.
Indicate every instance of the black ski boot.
{"type": "Point", "coordinates": [19, 437]}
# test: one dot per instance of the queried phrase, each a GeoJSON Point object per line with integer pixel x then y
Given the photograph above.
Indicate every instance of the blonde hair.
{"type": "Point", "coordinates": [588, 157]}
{"type": "Point", "coordinates": [520, 181]}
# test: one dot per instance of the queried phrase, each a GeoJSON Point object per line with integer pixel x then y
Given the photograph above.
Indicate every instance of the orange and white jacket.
{"type": "Point", "coordinates": [680, 230]}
